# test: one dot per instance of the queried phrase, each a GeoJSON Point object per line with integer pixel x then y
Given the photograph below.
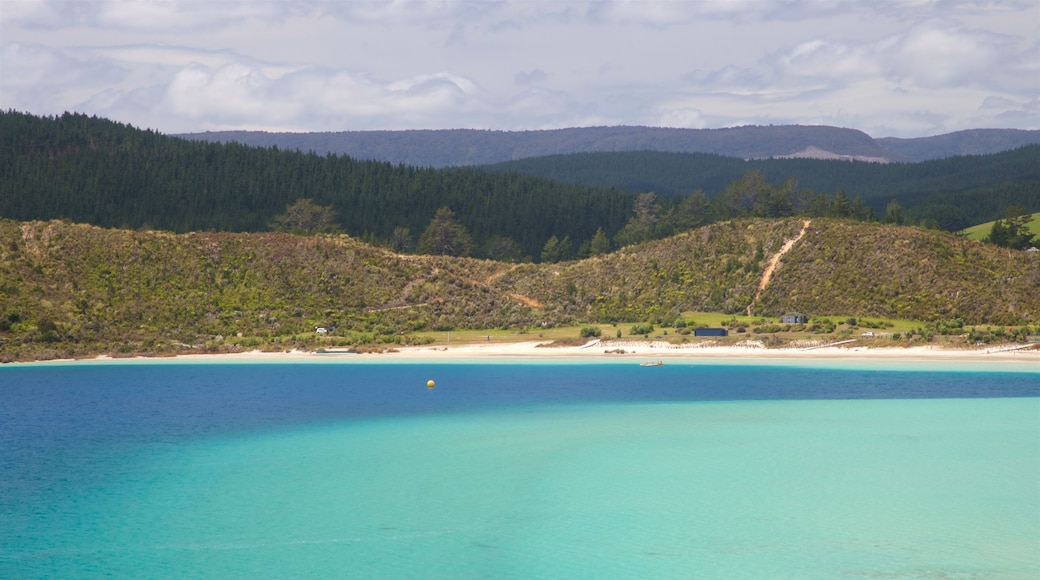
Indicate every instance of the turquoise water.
{"type": "Point", "coordinates": [580, 479]}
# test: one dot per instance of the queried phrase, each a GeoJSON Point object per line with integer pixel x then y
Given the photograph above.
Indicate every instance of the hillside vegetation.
{"type": "Point", "coordinates": [73, 290]}
{"type": "Point", "coordinates": [981, 231]}
{"type": "Point", "coordinates": [953, 193]}
{"type": "Point", "coordinates": [958, 143]}
{"type": "Point", "coordinates": [458, 147]}
{"type": "Point", "coordinates": [96, 171]}
{"type": "Point", "coordinates": [91, 170]}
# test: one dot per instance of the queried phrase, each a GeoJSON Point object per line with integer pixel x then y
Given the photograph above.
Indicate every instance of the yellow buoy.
{"type": "Point", "coordinates": [429, 384]}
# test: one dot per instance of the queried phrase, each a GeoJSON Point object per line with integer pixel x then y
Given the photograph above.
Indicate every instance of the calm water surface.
{"type": "Point", "coordinates": [517, 471]}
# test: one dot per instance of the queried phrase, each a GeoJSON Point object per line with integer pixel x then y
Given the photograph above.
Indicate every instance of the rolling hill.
{"type": "Point", "coordinates": [458, 147]}
{"type": "Point", "coordinates": [97, 171]}
{"type": "Point", "coordinates": [981, 231]}
{"type": "Point", "coordinates": [954, 192]}
{"type": "Point", "coordinates": [74, 290]}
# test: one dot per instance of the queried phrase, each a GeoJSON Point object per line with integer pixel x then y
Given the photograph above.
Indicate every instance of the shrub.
{"type": "Point", "coordinates": [643, 329]}
{"type": "Point", "coordinates": [590, 331]}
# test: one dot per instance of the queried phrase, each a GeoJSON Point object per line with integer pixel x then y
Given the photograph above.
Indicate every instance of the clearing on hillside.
{"type": "Point", "coordinates": [981, 231]}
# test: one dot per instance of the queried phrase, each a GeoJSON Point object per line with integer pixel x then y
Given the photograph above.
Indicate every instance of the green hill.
{"type": "Point", "coordinates": [460, 147]}
{"type": "Point", "coordinates": [952, 192]}
{"type": "Point", "coordinates": [981, 231]}
{"type": "Point", "coordinates": [73, 290]}
{"type": "Point", "coordinates": [96, 171]}
{"type": "Point", "coordinates": [91, 170]}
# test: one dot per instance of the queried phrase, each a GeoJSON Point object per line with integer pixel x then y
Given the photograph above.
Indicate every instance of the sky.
{"type": "Point", "coordinates": [892, 68]}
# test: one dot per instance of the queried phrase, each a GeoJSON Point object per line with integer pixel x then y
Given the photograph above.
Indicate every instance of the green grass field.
{"type": "Point", "coordinates": [980, 231]}
{"type": "Point", "coordinates": [572, 334]}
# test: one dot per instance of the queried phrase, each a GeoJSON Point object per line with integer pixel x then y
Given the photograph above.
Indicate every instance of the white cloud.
{"type": "Point", "coordinates": [897, 66]}
{"type": "Point", "coordinates": [533, 76]}
{"type": "Point", "coordinates": [936, 54]}
{"type": "Point", "coordinates": [685, 118]}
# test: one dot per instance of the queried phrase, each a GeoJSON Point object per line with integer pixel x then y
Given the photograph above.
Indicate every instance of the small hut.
{"type": "Point", "coordinates": [794, 318]}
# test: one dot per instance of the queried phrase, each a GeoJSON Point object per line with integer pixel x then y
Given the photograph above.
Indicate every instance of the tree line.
{"type": "Point", "coordinates": [97, 171]}
{"type": "Point", "coordinates": [951, 194]}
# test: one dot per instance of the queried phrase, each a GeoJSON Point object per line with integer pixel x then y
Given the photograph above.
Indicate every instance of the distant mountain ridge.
{"type": "Point", "coordinates": [461, 147]}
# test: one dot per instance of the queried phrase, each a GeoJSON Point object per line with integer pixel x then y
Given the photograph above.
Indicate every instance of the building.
{"type": "Point", "coordinates": [710, 332]}
{"type": "Point", "coordinates": [794, 318]}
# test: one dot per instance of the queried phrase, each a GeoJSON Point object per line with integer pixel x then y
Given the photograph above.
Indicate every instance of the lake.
{"type": "Point", "coordinates": [517, 471]}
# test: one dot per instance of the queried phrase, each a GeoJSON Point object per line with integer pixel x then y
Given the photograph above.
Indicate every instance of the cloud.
{"type": "Point", "coordinates": [531, 77]}
{"type": "Point", "coordinates": [932, 55]}
{"type": "Point", "coordinates": [930, 76]}
{"type": "Point", "coordinates": [685, 118]}
{"type": "Point", "coordinates": [895, 66]}
{"type": "Point", "coordinates": [937, 54]}
{"type": "Point", "coordinates": [57, 79]}
{"type": "Point", "coordinates": [729, 78]}
{"type": "Point", "coordinates": [306, 99]}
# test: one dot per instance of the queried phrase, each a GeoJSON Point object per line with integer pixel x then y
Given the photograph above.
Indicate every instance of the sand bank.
{"type": "Point", "coordinates": [1015, 358]}
{"type": "Point", "coordinates": [632, 352]}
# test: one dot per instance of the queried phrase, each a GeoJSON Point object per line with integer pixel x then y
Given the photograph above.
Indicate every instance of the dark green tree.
{"type": "Point", "coordinates": [894, 213]}
{"type": "Point", "coordinates": [692, 212]}
{"type": "Point", "coordinates": [860, 210]}
{"type": "Point", "coordinates": [742, 197]}
{"type": "Point", "coordinates": [551, 250]}
{"type": "Point", "coordinates": [642, 225]}
{"type": "Point", "coordinates": [557, 250]}
{"type": "Point", "coordinates": [502, 249]}
{"type": "Point", "coordinates": [599, 244]}
{"type": "Point", "coordinates": [306, 217]}
{"type": "Point", "coordinates": [445, 236]}
{"type": "Point", "coordinates": [1012, 231]}
{"type": "Point", "coordinates": [778, 201]}
{"type": "Point", "coordinates": [841, 205]}
{"type": "Point", "coordinates": [400, 240]}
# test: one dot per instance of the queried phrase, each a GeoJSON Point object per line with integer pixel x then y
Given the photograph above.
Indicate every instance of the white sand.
{"type": "Point", "coordinates": [635, 351]}
{"type": "Point", "coordinates": [1015, 358]}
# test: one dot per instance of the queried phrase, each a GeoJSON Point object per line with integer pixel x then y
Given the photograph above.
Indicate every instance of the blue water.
{"type": "Point", "coordinates": [517, 471]}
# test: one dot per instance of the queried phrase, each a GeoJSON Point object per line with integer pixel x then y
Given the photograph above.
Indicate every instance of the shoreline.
{"type": "Point", "coordinates": [1015, 358]}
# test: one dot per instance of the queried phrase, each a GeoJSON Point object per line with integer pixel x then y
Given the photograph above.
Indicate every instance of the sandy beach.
{"type": "Point", "coordinates": [1014, 357]}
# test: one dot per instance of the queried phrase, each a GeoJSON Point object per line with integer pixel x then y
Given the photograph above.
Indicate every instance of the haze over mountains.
{"type": "Point", "coordinates": [460, 147]}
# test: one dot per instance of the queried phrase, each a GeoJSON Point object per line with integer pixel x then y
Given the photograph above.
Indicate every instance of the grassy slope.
{"type": "Point", "coordinates": [838, 268]}
{"type": "Point", "coordinates": [69, 290]}
{"type": "Point", "coordinates": [981, 231]}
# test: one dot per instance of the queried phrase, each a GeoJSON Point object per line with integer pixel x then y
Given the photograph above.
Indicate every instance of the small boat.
{"type": "Point", "coordinates": [652, 363]}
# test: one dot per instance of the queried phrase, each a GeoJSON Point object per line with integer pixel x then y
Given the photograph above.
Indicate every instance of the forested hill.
{"type": "Point", "coordinates": [970, 142]}
{"type": "Point", "coordinates": [954, 192]}
{"type": "Point", "coordinates": [97, 171]}
{"type": "Point", "coordinates": [73, 290]}
{"type": "Point", "coordinates": [457, 147]}
{"type": "Point", "coordinates": [91, 170]}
